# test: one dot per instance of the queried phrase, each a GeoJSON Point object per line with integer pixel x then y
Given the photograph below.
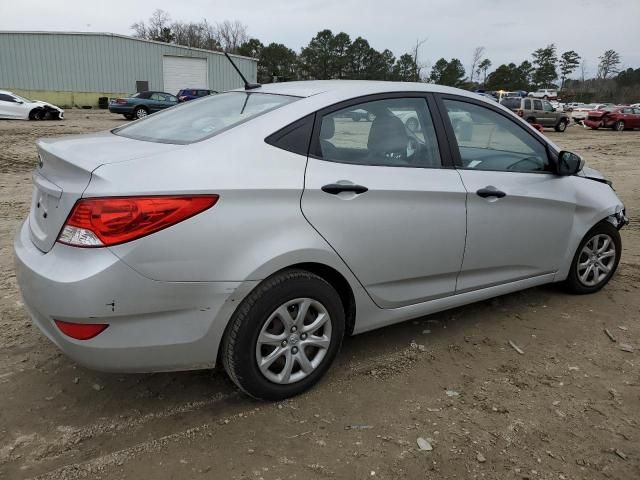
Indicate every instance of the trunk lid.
{"type": "Point", "coordinates": [64, 171]}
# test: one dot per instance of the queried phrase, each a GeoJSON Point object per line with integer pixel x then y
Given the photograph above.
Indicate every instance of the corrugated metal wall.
{"type": "Point", "coordinates": [88, 62]}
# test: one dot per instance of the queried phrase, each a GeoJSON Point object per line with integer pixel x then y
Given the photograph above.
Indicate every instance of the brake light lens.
{"type": "Point", "coordinates": [121, 101]}
{"type": "Point", "coordinates": [520, 113]}
{"type": "Point", "coordinates": [81, 331]}
{"type": "Point", "coordinates": [101, 222]}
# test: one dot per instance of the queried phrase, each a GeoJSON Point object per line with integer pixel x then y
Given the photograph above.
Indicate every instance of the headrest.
{"type": "Point", "coordinates": [328, 128]}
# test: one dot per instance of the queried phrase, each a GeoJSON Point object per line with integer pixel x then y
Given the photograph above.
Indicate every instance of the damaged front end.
{"type": "Point", "coordinates": [619, 219]}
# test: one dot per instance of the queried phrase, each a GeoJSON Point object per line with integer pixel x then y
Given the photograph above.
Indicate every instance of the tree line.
{"type": "Point", "coordinates": [337, 56]}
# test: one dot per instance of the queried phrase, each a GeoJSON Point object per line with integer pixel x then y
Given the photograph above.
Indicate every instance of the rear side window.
{"type": "Point", "coordinates": [195, 121]}
{"type": "Point", "coordinates": [527, 104]}
{"type": "Point", "coordinates": [537, 104]}
{"type": "Point", "coordinates": [511, 103]}
{"type": "Point", "coordinates": [295, 137]}
{"type": "Point", "coordinates": [396, 132]}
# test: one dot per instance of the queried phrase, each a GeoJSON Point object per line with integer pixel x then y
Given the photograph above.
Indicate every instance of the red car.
{"type": "Point", "coordinates": [618, 118]}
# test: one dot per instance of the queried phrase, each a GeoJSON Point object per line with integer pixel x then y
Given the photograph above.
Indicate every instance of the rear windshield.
{"type": "Point", "coordinates": [194, 121]}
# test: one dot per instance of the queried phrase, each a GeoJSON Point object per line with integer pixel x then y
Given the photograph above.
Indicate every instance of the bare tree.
{"type": "Point", "coordinates": [231, 34]}
{"type": "Point", "coordinates": [415, 54]}
{"type": "Point", "coordinates": [158, 28]}
{"type": "Point", "coordinates": [478, 53]}
{"type": "Point", "coordinates": [609, 64]}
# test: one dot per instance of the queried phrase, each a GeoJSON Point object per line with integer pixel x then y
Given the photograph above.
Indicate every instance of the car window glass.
{"type": "Point", "coordinates": [627, 110]}
{"type": "Point", "coordinates": [171, 98]}
{"type": "Point", "coordinates": [636, 111]}
{"type": "Point", "coordinates": [547, 107]}
{"type": "Point", "coordinates": [6, 98]}
{"type": "Point", "coordinates": [527, 104]}
{"type": "Point", "coordinates": [488, 140]}
{"type": "Point", "coordinates": [537, 104]}
{"type": "Point", "coordinates": [194, 121]}
{"type": "Point", "coordinates": [392, 132]}
{"type": "Point", "coordinates": [155, 96]}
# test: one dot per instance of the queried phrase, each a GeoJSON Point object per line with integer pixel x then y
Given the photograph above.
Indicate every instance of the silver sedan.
{"type": "Point", "coordinates": [258, 227]}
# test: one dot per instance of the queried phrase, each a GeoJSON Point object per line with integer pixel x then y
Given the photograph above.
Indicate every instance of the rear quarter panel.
{"type": "Point", "coordinates": [255, 229]}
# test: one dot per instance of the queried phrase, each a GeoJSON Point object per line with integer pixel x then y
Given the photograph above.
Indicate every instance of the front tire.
{"type": "Point", "coordinates": [140, 112]}
{"type": "Point", "coordinates": [561, 126]}
{"type": "Point", "coordinates": [596, 259]}
{"type": "Point", "coordinates": [284, 336]}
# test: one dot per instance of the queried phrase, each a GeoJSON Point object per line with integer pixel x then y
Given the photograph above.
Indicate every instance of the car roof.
{"type": "Point", "coordinates": [354, 88]}
{"type": "Point", "coordinates": [6, 92]}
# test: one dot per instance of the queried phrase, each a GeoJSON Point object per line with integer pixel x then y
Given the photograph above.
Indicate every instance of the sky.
{"type": "Point", "coordinates": [508, 29]}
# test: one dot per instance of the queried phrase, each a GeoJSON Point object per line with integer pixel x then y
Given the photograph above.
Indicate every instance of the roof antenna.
{"type": "Point", "coordinates": [247, 85]}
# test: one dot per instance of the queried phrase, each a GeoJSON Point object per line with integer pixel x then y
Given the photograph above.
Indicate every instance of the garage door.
{"type": "Point", "coordinates": [184, 72]}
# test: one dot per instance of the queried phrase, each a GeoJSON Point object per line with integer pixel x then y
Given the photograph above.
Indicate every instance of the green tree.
{"type": "Point", "coordinates": [609, 64]}
{"type": "Point", "coordinates": [447, 73]}
{"type": "Point", "coordinates": [339, 58]}
{"type": "Point", "coordinates": [277, 61]}
{"type": "Point", "coordinates": [483, 67]}
{"type": "Point", "coordinates": [544, 60]}
{"type": "Point", "coordinates": [316, 58]}
{"type": "Point", "coordinates": [405, 69]}
{"type": "Point", "coordinates": [251, 48]}
{"type": "Point", "coordinates": [569, 62]}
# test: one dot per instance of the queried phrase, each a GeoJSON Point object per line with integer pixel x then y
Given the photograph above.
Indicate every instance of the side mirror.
{"type": "Point", "coordinates": [569, 163]}
{"type": "Point", "coordinates": [19, 102]}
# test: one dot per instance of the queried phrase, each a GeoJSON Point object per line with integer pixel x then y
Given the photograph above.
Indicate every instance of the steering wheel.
{"type": "Point", "coordinates": [533, 161]}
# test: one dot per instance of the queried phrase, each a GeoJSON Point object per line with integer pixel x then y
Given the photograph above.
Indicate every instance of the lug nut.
{"type": "Point", "coordinates": [294, 329]}
{"type": "Point", "coordinates": [303, 336]}
{"type": "Point", "coordinates": [284, 343]}
{"type": "Point", "coordinates": [294, 350]}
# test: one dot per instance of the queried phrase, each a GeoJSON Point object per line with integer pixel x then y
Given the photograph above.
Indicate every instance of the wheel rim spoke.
{"type": "Point", "coordinates": [293, 340]}
{"type": "Point", "coordinates": [596, 260]}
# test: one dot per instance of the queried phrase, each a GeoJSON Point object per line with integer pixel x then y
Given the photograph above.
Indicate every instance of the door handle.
{"type": "Point", "coordinates": [336, 188]}
{"type": "Point", "coordinates": [490, 191]}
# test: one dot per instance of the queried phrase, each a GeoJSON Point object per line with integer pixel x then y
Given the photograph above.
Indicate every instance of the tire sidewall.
{"type": "Point", "coordinates": [573, 282]}
{"type": "Point", "coordinates": [246, 368]}
{"type": "Point", "coordinates": [140, 109]}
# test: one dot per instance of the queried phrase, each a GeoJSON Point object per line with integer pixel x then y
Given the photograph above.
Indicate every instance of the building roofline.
{"type": "Point", "coordinates": [127, 37]}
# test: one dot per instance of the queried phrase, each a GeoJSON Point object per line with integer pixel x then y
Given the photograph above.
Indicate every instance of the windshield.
{"type": "Point", "coordinates": [24, 99]}
{"type": "Point", "coordinates": [194, 121]}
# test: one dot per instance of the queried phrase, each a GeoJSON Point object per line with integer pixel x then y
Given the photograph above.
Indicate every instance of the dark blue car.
{"type": "Point", "coordinates": [141, 104]}
{"type": "Point", "coordinates": [187, 94]}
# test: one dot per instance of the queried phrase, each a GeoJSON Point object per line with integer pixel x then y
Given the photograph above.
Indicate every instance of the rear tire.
{"type": "Point", "coordinates": [581, 280]}
{"type": "Point", "coordinates": [619, 126]}
{"type": "Point", "coordinates": [268, 338]}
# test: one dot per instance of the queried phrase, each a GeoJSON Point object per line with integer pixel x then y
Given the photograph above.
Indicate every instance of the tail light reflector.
{"type": "Point", "coordinates": [81, 331]}
{"type": "Point", "coordinates": [101, 222]}
{"type": "Point", "coordinates": [520, 113]}
{"type": "Point", "coordinates": [121, 101]}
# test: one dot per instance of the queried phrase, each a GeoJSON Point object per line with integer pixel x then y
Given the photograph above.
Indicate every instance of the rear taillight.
{"type": "Point", "coordinates": [121, 101]}
{"type": "Point", "coordinates": [520, 113]}
{"type": "Point", "coordinates": [81, 331]}
{"type": "Point", "coordinates": [101, 222]}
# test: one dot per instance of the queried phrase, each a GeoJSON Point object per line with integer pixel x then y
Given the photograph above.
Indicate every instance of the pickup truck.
{"type": "Point", "coordinates": [545, 93]}
{"type": "Point", "coordinates": [538, 111]}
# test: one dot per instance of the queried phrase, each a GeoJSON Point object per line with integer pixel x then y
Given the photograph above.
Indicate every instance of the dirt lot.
{"type": "Point", "coordinates": [569, 408]}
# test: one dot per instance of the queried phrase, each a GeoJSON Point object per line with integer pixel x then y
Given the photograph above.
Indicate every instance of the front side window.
{"type": "Point", "coordinates": [195, 121]}
{"type": "Point", "coordinates": [537, 104]}
{"type": "Point", "coordinates": [547, 107]}
{"type": "Point", "coordinates": [7, 98]}
{"type": "Point", "coordinates": [488, 140]}
{"type": "Point", "coordinates": [527, 104]}
{"type": "Point", "coordinates": [392, 132]}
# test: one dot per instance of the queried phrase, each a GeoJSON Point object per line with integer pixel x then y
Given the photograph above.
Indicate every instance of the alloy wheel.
{"type": "Point", "coordinates": [596, 260]}
{"type": "Point", "coordinates": [620, 126]}
{"type": "Point", "coordinates": [293, 341]}
{"type": "Point", "coordinates": [141, 113]}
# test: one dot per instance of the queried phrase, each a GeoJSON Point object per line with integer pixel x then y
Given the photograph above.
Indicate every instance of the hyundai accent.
{"type": "Point", "coordinates": [258, 227]}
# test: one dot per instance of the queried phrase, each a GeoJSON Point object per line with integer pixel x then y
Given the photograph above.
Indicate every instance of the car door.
{"type": "Point", "coordinates": [548, 116]}
{"type": "Point", "coordinates": [636, 117]}
{"type": "Point", "coordinates": [519, 213]}
{"type": "Point", "coordinates": [387, 199]}
{"type": "Point", "coordinates": [11, 107]}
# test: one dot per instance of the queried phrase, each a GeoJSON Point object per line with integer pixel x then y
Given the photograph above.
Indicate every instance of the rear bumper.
{"type": "Point", "coordinates": [153, 325]}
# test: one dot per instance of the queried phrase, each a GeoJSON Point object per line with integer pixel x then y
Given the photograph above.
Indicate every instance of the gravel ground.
{"type": "Point", "coordinates": [568, 408]}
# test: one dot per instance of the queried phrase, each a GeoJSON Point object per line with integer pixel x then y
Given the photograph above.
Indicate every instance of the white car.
{"type": "Point", "coordinates": [14, 106]}
{"type": "Point", "coordinates": [545, 93]}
